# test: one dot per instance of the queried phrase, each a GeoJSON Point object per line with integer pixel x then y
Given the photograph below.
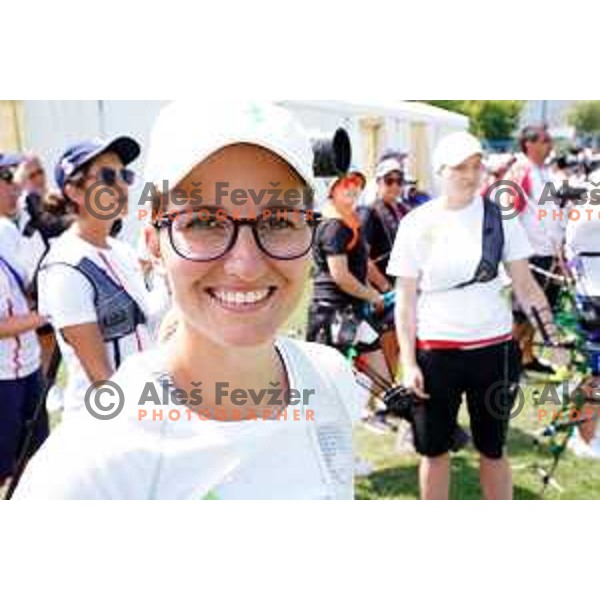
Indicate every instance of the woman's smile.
{"type": "Point", "coordinates": [242, 301]}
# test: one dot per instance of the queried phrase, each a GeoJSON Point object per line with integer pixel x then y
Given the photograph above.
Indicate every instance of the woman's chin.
{"type": "Point", "coordinates": [239, 335]}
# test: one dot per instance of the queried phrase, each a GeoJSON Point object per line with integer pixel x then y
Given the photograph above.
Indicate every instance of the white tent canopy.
{"type": "Point", "coordinates": [50, 126]}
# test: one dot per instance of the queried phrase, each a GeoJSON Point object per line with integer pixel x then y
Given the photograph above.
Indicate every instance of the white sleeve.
{"type": "Point", "coordinates": [516, 242]}
{"type": "Point", "coordinates": [403, 261]}
{"type": "Point", "coordinates": [63, 469]}
{"type": "Point", "coordinates": [10, 247]}
{"type": "Point", "coordinates": [66, 297]}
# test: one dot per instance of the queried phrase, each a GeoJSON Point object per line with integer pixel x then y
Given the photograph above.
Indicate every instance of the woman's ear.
{"type": "Point", "coordinates": [152, 239]}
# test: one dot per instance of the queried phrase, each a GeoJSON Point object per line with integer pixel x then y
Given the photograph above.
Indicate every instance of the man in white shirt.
{"type": "Point", "coordinates": [31, 179]}
{"type": "Point", "coordinates": [546, 235]}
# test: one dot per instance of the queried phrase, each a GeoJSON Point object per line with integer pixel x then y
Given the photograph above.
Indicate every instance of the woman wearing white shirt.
{"type": "Point", "coordinates": [20, 375]}
{"type": "Point", "coordinates": [455, 333]}
{"type": "Point", "coordinates": [87, 273]}
{"type": "Point", "coordinates": [237, 273]}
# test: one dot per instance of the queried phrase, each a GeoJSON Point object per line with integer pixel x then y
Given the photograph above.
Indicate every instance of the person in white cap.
{"type": "Point", "coordinates": [454, 319]}
{"type": "Point", "coordinates": [381, 220]}
{"type": "Point", "coordinates": [248, 413]}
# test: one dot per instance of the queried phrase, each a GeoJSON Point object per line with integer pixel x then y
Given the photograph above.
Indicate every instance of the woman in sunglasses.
{"type": "Point", "coordinates": [225, 408]}
{"type": "Point", "coordinates": [90, 284]}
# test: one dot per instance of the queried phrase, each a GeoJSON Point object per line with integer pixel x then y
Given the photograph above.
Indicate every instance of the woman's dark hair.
{"type": "Point", "coordinates": [57, 205]}
{"type": "Point", "coordinates": [75, 179]}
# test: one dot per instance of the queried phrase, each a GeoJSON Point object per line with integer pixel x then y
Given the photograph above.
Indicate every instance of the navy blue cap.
{"type": "Point", "coordinates": [78, 155]}
{"type": "Point", "coordinates": [11, 160]}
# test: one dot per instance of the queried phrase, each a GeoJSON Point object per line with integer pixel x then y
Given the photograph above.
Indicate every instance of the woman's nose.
{"type": "Point", "coordinates": [246, 260]}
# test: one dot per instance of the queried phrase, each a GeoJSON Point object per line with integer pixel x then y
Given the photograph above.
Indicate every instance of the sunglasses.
{"type": "Point", "coordinates": [36, 173]}
{"type": "Point", "coordinates": [109, 176]}
{"type": "Point", "coordinates": [7, 175]}
{"type": "Point", "coordinates": [390, 180]}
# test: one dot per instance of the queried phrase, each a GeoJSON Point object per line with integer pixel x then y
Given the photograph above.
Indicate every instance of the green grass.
{"type": "Point", "coordinates": [395, 475]}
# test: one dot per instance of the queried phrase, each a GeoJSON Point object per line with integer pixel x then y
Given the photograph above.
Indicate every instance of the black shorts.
{"type": "Point", "coordinates": [488, 377]}
{"type": "Point", "coordinates": [18, 401]}
{"type": "Point", "coordinates": [549, 286]}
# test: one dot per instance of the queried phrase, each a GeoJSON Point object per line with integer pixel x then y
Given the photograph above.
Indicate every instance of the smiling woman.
{"type": "Point", "coordinates": [236, 278]}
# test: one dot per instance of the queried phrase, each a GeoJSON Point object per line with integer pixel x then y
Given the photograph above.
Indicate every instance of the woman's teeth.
{"type": "Point", "coordinates": [241, 298]}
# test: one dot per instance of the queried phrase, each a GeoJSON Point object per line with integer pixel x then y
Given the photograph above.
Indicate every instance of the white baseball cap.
{"type": "Point", "coordinates": [388, 166]}
{"type": "Point", "coordinates": [188, 132]}
{"type": "Point", "coordinates": [454, 149]}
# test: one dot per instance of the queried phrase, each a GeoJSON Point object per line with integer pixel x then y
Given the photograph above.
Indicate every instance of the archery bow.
{"type": "Point", "coordinates": [557, 434]}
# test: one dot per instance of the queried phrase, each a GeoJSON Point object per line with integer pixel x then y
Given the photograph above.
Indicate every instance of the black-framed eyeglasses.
{"type": "Point", "coordinates": [108, 176]}
{"type": "Point", "coordinates": [206, 235]}
{"type": "Point", "coordinates": [7, 175]}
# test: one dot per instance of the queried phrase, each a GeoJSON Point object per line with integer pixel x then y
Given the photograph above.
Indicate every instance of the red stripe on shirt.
{"type": "Point", "coordinates": [455, 345]}
{"type": "Point", "coordinates": [16, 363]}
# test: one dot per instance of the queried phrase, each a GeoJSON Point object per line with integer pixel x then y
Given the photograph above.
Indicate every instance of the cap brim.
{"type": "Point", "coordinates": [349, 175]}
{"type": "Point", "coordinates": [181, 173]}
{"type": "Point", "coordinates": [126, 148]}
{"type": "Point", "coordinates": [387, 172]}
{"type": "Point", "coordinates": [11, 160]}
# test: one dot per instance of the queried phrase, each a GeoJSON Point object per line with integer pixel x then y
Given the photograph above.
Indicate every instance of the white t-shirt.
{"type": "Point", "coordinates": [66, 297]}
{"type": "Point", "coordinates": [583, 235]}
{"type": "Point", "coordinates": [546, 234]}
{"type": "Point", "coordinates": [442, 249]}
{"type": "Point", "coordinates": [19, 355]}
{"type": "Point", "coordinates": [10, 247]}
{"type": "Point", "coordinates": [129, 458]}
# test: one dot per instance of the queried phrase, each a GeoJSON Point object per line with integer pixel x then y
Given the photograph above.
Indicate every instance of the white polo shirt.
{"type": "Point", "coordinates": [10, 247]}
{"type": "Point", "coordinates": [19, 355]}
{"type": "Point", "coordinates": [442, 248]}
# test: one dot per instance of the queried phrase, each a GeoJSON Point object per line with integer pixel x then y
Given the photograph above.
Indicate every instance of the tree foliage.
{"type": "Point", "coordinates": [490, 119]}
{"type": "Point", "coordinates": [585, 116]}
